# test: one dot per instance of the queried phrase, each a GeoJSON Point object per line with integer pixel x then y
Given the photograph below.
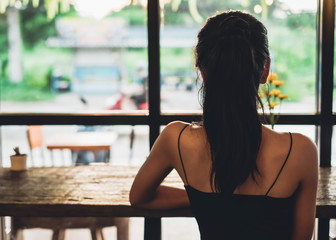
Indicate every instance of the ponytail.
{"type": "Point", "coordinates": [229, 62]}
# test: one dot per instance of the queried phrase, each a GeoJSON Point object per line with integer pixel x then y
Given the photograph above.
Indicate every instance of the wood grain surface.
{"type": "Point", "coordinates": [78, 191]}
{"type": "Point", "coordinates": [102, 190]}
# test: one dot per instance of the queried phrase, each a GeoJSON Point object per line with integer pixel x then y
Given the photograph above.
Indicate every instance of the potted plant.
{"type": "Point", "coordinates": [18, 161]}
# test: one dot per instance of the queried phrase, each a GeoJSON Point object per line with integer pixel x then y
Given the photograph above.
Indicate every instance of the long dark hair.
{"type": "Point", "coordinates": [231, 52]}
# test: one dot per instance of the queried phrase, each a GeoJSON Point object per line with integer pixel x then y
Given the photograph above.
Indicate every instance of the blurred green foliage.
{"type": "Point", "coordinates": [21, 92]}
{"type": "Point", "coordinates": [37, 66]}
{"type": "Point", "coordinates": [134, 15]}
{"type": "Point", "coordinates": [293, 52]}
{"type": "Point", "coordinates": [302, 20]}
{"type": "Point", "coordinates": [40, 62]}
{"type": "Point", "coordinates": [35, 28]}
{"type": "Point", "coordinates": [4, 46]}
{"type": "Point", "coordinates": [176, 59]}
{"type": "Point", "coordinates": [292, 44]}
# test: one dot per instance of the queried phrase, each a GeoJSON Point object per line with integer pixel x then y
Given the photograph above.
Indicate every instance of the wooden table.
{"type": "Point", "coordinates": [102, 191]}
{"type": "Point", "coordinates": [83, 141]}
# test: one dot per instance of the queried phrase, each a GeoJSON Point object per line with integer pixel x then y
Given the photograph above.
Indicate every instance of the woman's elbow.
{"type": "Point", "coordinates": [135, 200]}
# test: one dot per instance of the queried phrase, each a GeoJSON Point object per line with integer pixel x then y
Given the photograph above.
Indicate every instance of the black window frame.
{"type": "Point", "coordinates": [324, 119]}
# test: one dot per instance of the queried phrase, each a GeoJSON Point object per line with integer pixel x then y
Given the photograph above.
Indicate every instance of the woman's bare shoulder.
{"type": "Point", "coordinates": [193, 134]}
{"type": "Point", "coordinates": [176, 125]}
{"type": "Point", "coordinates": [303, 157]}
{"type": "Point", "coordinates": [300, 142]}
{"type": "Point", "coordinates": [170, 133]}
{"type": "Point", "coordinates": [303, 149]}
{"type": "Point", "coordinates": [303, 144]}
{"type": "Point", "coordinates": [190, 130]}
{"type": "Point", "coordinates": [174, 128]}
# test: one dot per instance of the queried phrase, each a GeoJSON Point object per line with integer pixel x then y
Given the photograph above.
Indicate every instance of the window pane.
{"type": "Point", "coordinates": [333, 149]}
{"type": "Point", "coordinates": [74, 62]}
{"type": "Point", "coordinates": [292, 38]}
{"type": "Point", "coordinates": [123, 145]}
{"type": "Point", "coordinates": [334, 100]}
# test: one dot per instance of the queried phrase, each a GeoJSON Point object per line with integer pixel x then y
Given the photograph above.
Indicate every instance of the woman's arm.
{"type": "Point", "coordinates": [304, 215]}
{"type": "Point", "coordinates": [146, 191]}
{"type": "Point", "coordinates": [165, 198]}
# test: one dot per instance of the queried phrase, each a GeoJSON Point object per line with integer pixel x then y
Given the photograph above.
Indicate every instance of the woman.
{"type": "Point", "coordinates": [242, 179]}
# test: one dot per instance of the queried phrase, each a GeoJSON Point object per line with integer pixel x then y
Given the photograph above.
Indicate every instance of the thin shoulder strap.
{"type": "Point", "coordinates": [290, 149]}
{"type": "Point", "coordinates": [179, 150]}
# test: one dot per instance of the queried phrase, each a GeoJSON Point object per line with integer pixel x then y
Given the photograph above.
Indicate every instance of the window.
{"type": "Point", "coordinates": [151, 65]}
{"type": "Point", "coordinates": [85, 91]}
{"type": "Point", "coordinates": [292, 42]}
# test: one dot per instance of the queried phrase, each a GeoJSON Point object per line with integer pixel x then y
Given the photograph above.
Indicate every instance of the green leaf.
{"type": "Point", "coordinates": [36, 3]}
{"type": "Point", "coordinates": [65, 5]}
{"type": "Point", "coordinates": [3, 5]}
{"type": "Point", "coordinates": [194, 11]}
{"type": "Point", "coordinates": [175, 5]}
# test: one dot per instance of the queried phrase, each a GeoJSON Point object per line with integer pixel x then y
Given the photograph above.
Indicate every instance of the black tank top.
{"type": "Point", "coordinates": [241, 217]}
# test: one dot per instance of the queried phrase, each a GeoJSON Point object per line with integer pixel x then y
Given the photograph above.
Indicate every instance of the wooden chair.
{"type": "Point", "coordinates": [58, 225]}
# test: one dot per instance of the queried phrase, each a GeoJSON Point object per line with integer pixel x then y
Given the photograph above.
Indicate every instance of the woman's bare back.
{"type": "Point", "coordinates": [274, 148]}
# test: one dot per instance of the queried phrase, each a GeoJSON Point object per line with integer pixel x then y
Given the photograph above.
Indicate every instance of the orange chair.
{"type": "Point", "coordinates": [35, 136]}
{"type": "Point", "coordinates": [58, 225]}
{"type": "Point", "coordinates": [35, 140]}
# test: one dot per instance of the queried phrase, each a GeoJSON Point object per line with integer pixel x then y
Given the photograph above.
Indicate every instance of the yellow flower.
{"type": "Point", "coordinates": [282, 96]}
{"type": "Point", "coordinates": [271, 77]}
{"type": "Point", "coordinates": [273, 104]}
{"type": "Point", "coordinates": [261, 95]}
{"type": "Point", "coordinates": [278, 83]}
{"type": "Point", "coordinates": [275, 92]}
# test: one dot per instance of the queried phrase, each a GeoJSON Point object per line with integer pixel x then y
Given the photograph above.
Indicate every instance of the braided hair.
{"type": "Point", "coordinates": [231, 52]}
